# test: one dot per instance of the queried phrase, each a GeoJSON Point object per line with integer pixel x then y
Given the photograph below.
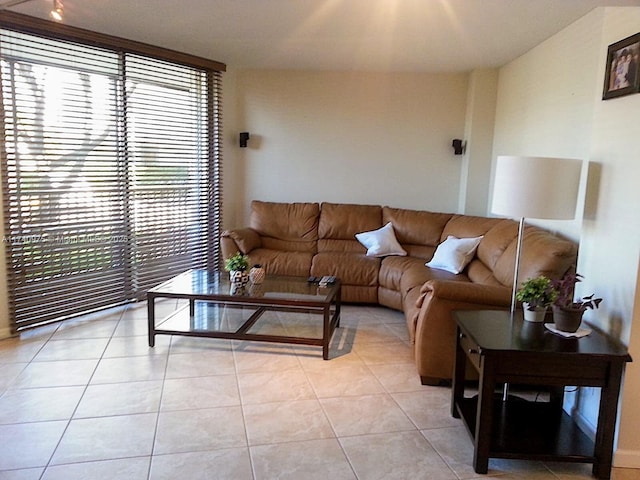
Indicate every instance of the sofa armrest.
{"type": "Point", "coordinates": [242, 240]}
{"type": "Point", "coordinates": [435, 327]}
{"type": "Point", "coordinates": [466, 292]}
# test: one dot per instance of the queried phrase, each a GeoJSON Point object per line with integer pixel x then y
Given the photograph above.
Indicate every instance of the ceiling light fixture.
{"type": "Point", "coordinates": [57, 11]}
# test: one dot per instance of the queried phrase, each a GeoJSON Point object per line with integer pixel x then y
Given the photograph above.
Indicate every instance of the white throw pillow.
{"type": "Point", "coordinates": [381, 242]}
{"type": "Point", "coordinates": [454, 254]}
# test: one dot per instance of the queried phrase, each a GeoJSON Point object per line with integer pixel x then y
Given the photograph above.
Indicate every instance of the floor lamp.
{"type": "Point", "coordinates": [534, 187]}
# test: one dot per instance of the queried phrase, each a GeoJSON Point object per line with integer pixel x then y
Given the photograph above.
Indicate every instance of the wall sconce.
{"type": "Point", "coordinates": [459, 146]}
{"type": "Point", "coordinates": [244, 138]}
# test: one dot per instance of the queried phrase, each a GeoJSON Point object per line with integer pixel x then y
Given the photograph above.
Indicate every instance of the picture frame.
{"type": "Point", "coordinates": [622, 75]}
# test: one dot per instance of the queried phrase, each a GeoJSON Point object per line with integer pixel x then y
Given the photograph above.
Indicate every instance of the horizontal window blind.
{"type": "Point", "coordinates": [111, 174]}
{"type": "Point", "coordinates": [167, 143]}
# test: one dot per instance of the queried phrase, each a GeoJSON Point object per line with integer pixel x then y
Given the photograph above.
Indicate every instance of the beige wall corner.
{"type": "Point", "coordinates": [478, 132]}
{"type": "Point", "coordinates": [628, 452]}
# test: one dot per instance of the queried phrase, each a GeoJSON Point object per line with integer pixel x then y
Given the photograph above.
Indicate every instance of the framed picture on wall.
{"type": "Point", "coordinates": [622, 75]}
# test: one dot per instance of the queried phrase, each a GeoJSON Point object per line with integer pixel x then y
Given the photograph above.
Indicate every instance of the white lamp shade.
{"type": "Point", "coordinates": [536, 187]}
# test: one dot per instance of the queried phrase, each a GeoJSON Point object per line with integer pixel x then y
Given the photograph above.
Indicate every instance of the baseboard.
{"type": "Point", "coordinates": [621, 458]}
{"type": "Point", "coordinates": [5, 333]}
{"type": "Point", "coordinates": [626, 458]}
{"type": "Point", "coordinates": [583, 423]}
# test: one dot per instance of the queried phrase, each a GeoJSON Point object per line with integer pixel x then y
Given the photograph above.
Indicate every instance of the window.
{"type": "Point", "coordinates": [110, 170]}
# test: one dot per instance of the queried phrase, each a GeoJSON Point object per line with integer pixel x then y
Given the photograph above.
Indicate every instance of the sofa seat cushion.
{"type": "Point", "coordinates": [391, 271]}
{"type": "Point", "coordinates": [359, 294]}
{"type": "Point", "coordinates": [350, 268]}
{"type": "Point", "coordinates": [400, 280]}
{"type": "Point", "coordinates": [393, 268]}
{"type": "Point", "coordinates": [417, 275]}
{"type": "Point", "coordinates": [276, 262]}
{"type": "Point", "coordinates": [389, 298]}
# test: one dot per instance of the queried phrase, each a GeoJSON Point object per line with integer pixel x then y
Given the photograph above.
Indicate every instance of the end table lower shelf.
{"type": "Point", "coordinates": [531, 430]}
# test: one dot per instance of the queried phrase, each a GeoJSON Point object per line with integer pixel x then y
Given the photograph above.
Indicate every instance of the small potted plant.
{"type": "Point", "coordinates": [536, 294]}
{"type": "Point", "coordinates": [237, 267]}
{"type": "Point", "coordinates": [567, 311]}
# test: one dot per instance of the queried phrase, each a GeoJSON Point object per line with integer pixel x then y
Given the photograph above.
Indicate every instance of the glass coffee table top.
{"type": "Point", "coordinates": [216, 286]}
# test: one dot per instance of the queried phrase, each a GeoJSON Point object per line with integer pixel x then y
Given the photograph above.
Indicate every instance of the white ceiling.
{"type": "Point", "coordinates": [382, 35]}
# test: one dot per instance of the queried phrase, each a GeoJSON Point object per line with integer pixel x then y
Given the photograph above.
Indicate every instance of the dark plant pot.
{"type": "Point", "coordinates": [567, 319]}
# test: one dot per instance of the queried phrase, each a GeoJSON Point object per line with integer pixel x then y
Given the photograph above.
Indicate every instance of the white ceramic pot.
{"type": "Point", "coordinates": [536, 315]}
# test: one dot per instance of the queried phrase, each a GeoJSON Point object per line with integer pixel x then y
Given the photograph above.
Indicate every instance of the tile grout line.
{"type": "Point", "coordinates": [157, 422]}
{"type": "Point", "coordinates": [84, 391]}
{"type": "Point", "coordinates": [252, 466]}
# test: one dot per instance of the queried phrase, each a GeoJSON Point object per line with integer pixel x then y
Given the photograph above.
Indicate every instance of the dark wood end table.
{"type": "Point", "coordinates": [525, 353]}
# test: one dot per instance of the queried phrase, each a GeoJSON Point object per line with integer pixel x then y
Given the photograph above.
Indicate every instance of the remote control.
{"type": "Point", "coordinates": [327, 279]}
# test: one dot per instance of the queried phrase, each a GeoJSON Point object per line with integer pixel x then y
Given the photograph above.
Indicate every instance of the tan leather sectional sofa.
{"type": "Point", "coordinates": [319, 239]}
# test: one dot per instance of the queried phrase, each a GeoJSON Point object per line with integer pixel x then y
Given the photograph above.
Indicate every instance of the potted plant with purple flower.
{"type": "Point", "coordinates": [567, 310]}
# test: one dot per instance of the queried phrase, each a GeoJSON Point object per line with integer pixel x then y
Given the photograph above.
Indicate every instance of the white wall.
{"type": "Point", "coordinates": [231, 181]}
{"type": "Point", "coordinates": [350, 137]}
{"type": "Point", "coordinates": [549, 104]}
{"type": "Point", "coordinates": [610, 242]}
{"type": "Point", "coordinates": [546, 101]}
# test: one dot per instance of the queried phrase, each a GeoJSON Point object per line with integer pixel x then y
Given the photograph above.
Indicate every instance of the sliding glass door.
{"type": "Point", "coordinates": [110, 162]}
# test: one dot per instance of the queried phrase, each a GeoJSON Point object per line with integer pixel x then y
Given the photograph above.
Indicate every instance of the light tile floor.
{"type": "Point", "coordinates": [88, 399]}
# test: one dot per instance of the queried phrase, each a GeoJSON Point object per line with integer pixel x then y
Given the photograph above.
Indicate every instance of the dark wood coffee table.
{"type": "Point", "coordinates": [277, 293]}
{"type": "Point", "coordinates": [525, 353]}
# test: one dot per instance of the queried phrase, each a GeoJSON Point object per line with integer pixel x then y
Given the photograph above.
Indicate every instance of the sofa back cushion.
{"type": "Point", "coordinates": [542, 254]}
{"type": "Point", "coordinates": [495, 241]}
{"type": "Point", "coordinates": [286, 226]}
{"type": "Point", "coordinates": [418, 232]}
{"type": "Point", "coordinates": [339, 223]}
{"type": "Point", "coordinates": [468, 226]}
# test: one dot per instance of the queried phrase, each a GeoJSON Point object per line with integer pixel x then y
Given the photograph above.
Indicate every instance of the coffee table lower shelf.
{"type": "Point", "coordinates": [530, 430]}
{"type": "Point", "coordinates": [242, 333]}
